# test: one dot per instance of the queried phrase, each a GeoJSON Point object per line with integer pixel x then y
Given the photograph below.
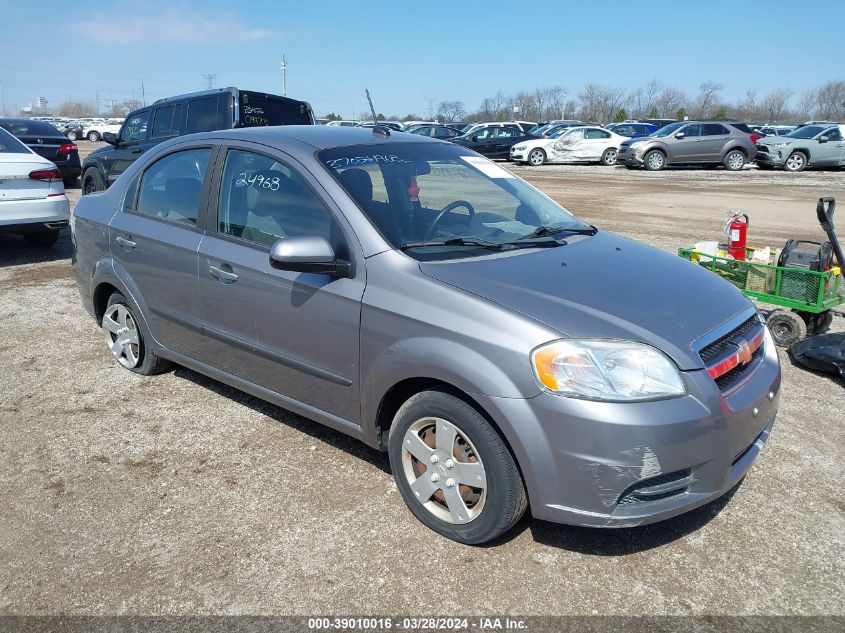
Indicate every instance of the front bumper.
{"type": "Point", "coordinates": [628, 156]}
{"type": "Point", "coordinates": [625, 464]}
{"type": "Point", "coordinates": [772, 158]}
{"type": "Point", "coordinates": [518, 155]}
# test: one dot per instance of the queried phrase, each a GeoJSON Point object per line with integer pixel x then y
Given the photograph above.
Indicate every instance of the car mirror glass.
{"type": "Point", "coordinates": [307, 254]}
{"type": "Point", "coordinates": [680, 135]}
{"type": "Point", "coordinates": [824, 139]}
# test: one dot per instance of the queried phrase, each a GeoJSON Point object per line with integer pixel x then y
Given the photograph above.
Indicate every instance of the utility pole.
{"type": "Point", "coordinates": [3, 100]}
{"type": "Point", "coordinates": [143, 94]}
{"type": "Point", "coordinates": [209, 79]}
{"type": "Point", "coordinates": [284, 67]}
{"type": "Point", "coordinates": [430, 107]}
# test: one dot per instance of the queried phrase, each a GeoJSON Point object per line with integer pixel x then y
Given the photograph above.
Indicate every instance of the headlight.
{"type": "Point", "coordinates": [779, 145]}
{"type": "Point", "coordinates": [606, 370]}
{"type": "Point", "coordinates": [519, 148]}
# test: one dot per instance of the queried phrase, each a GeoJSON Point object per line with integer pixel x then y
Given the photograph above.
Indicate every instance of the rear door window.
{"type": "Point", "coordinates": [167, 121]}
{"type": "Point", "coordinates": [714, 129]}
{"type": "Point", "coordinates": [204, 115]}
{"type": "Point", "coordinates": [596, 134]}
{"type": "Point", "coordinates": [171, 187]}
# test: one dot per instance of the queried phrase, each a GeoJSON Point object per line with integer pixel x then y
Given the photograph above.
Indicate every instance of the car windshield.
{"type": "Point", "coordinates": [560, 132]}
{"type": "Point", "coordinates": [669, 129]}
{"type": "Point", "coordinates": [422, 195]}
{"type": "Point", "coordinates": [10, 145]}
{"type": "Point", "coordinates": [808, 131]}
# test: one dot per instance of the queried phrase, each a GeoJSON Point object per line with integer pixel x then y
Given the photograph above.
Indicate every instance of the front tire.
{"type": "Point", "coordinates": [453, 469]}
{"type": "Point", "coordinates": [93, 136]}
{"type": "Point", "coordinates": [536, 157]}
{"type": "Point", "coordinates": [609, 157]}
{"type": "Point", "coordinates": [71, 136]}
{"type": "Point", "coordinates": [92, 181]}
{"type": "Point", "coordinates": [795, 162]}
{"type": "Point", "coordinates": [42, 239]}
{"type": "Point", "coordinates": [655, 160]}
{"type": "Point", "coordinates": [126, 338]}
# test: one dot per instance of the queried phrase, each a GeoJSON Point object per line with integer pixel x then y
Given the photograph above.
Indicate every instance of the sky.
{"type": "Point", "coordinates": [410, 54]}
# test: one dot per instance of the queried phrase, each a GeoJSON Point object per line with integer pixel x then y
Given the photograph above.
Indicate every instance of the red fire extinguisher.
{"type": "Point", "coordinates": [737, 228]}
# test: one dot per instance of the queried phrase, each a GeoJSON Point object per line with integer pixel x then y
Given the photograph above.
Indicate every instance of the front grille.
{"type": "Point", "coordinates": [634, 493]}
{"type": "Point", "coordinates": [722, 346]}
{"type": "Point", "coordinates": [763, 148]}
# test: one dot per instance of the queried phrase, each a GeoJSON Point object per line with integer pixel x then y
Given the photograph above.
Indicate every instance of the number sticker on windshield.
{"type": "Point", "coordinates": [487, 167]}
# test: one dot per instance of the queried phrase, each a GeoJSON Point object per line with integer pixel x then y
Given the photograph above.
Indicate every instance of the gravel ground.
{"type": "Point", "coordinates": [122, 494]}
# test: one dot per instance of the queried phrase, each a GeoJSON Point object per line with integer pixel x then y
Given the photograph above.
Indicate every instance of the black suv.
{"type": "Point", "coordinates": [219, 109]}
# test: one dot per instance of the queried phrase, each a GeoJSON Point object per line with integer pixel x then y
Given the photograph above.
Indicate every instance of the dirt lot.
{"type": "Point", "coordinates": [175, 494]}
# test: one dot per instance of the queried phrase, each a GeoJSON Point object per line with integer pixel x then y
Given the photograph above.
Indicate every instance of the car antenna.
{"type": "Point", "coordinates": [381, 132]}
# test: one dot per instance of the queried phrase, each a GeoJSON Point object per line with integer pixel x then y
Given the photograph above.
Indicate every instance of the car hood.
{"type": "Point", "coordinates": [604, 286]}
{"type": "Point", "coordinates": [531, 143]}
{"type": "Point", "coordinates": [777, 140]}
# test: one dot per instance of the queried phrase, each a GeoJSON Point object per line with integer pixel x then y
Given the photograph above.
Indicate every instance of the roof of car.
{"type": "Point", "coordinates": [320, 136]}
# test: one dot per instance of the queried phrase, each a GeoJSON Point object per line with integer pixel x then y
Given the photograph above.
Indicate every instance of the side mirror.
{"type": "Point", "coordinates": [307, 254]}
{"type": "Point", "coordinates": [680, 135]}
{"type": "Point", "coordinates": [110, 138]}
{"type": "Point", "coordinates": [824, 139]}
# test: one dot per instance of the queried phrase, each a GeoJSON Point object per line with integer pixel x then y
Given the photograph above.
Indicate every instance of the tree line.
{"type": "Point", "coordinates": [603, 104]}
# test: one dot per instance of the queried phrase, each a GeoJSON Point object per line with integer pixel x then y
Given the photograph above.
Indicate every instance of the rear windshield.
{"type": "Point", "coordinates": [24, 128]}
{"type": "Point", "coordinates": [259, 109]}
{"type": "Point", "coordinates": [10, 145]}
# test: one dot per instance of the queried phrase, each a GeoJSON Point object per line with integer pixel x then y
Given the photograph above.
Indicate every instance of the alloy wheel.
{"type": "Point", "coordinates": [736, 161]}
{"type": "Point", "coordinates": [655, 161]}
{"type": "Point", "coordinates": [536, 157]}
{"type": "Point", "coordinates": [444, 470]}
{"type": "Point", "coordinates": [610, 157]}
{"type": "Point", "coordinates": [795, 162]}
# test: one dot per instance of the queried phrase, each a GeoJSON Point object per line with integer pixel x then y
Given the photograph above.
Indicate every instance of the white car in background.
{"type": "Point", "coordinates": [95, 131]}
{"type": "Point", "coordinates": [588, 144]}
{"type": "Point", "coordinates": [32, 196]}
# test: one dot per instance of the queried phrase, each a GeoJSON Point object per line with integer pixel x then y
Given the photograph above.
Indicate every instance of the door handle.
{"type": "Point", "coordinates": [224, 276]}
{"type": "Point", "coordinates": [137, 150]}
{"type": "Point", "coordinates": [125, 243]}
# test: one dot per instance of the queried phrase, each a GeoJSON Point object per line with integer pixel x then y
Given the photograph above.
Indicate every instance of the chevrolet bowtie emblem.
{"type": "Point", "coordinates": [743, 354]}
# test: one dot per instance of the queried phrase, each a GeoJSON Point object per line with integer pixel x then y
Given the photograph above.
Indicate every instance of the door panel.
{"type": "Point", "coordinates": [156, 241]}
{"type": "Point", "coordinates": [133, 143]}
{"type": "Point", "coordinates": [713, 139]}
{"type": "Point", "coordinates": [687, 149]}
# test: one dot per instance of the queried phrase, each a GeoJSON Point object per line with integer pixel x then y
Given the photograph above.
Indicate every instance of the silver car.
{"type": "Point", "coordinates": [727, 143]}
{"type": "Point", "coordinates": [421, 298]}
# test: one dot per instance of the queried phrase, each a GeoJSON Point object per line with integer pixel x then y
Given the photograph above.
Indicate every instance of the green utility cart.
{"type": "Point", "coordinates": [806, 297]}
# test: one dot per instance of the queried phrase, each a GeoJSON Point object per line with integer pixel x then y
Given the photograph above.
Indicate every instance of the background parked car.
{"type": "Point", "coordinates": [493, 141]}
{"type": "Point", "coordinates": [72, 130]}
{"type": "Point", "coordinates": [729, 143]}
{"type": "Point", "coordinates": [94, 132]}
{"type": "Point", "coordinates": [632, 130]}
{"type": "Point", "coordinates": [776, 130]}
{"type": "Point", "coordinates": [32, 198]}
{"type": "Point", "coordinates": [185, 114]}
{"type": "Point", "coordinates": [572, 145]}
{"type": "Point", "coordinates": [522, 126]}
{"type": "Point", "coordinates": [436, 131]}
{"type": "Point", "coordinates": [808, 146]}
{"type": "Point", "coordinates": [45, 140]}
{"type": "Point", "coordinates": [554, 128]}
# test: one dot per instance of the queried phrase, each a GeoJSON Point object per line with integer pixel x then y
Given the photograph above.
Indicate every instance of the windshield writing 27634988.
{"type": "Point", "coordinates": [339, 163]}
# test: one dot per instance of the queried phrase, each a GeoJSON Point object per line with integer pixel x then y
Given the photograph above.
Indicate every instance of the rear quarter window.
{"type": "Point", "coordinates": [204, 115]}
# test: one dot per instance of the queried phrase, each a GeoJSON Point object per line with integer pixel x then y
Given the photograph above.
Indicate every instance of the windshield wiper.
{"type": "Point", "coordinates": [545, 231]}
{"type": "Point", "coordinates": [455, 241]}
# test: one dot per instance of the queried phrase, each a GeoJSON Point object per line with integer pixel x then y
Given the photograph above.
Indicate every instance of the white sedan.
{"type": "Point", "coordinates": [32, 197]}
{"type": "Point", "coordinates": [572, 145]}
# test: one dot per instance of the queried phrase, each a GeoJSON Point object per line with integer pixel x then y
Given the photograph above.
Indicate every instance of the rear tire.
{"type": "Point", "coordinates": [786, 327]}
{"type": "Point", "coordinates": [92, 181]}
{"type": "Point", "coordinates": [71, 136]}
{"type": "Point", "coordinates": [120, 324]}
{"type": "Point", "coordinates": [536, 157]}
{"type": "Point", "coordinates": [795, 162]}
{"type": "Point", "coordinates": [93, 136]}
{"type": "Point", "coordinates": [655, 160]}
{"type": "Point", "coordinates": [42, 239]}
{"type": "Point", "coordinates": [609, 157]}
{"type": "Point", "coordinates": [471, 450]}
{"type": "Point", "coordinates": [734, 160]}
